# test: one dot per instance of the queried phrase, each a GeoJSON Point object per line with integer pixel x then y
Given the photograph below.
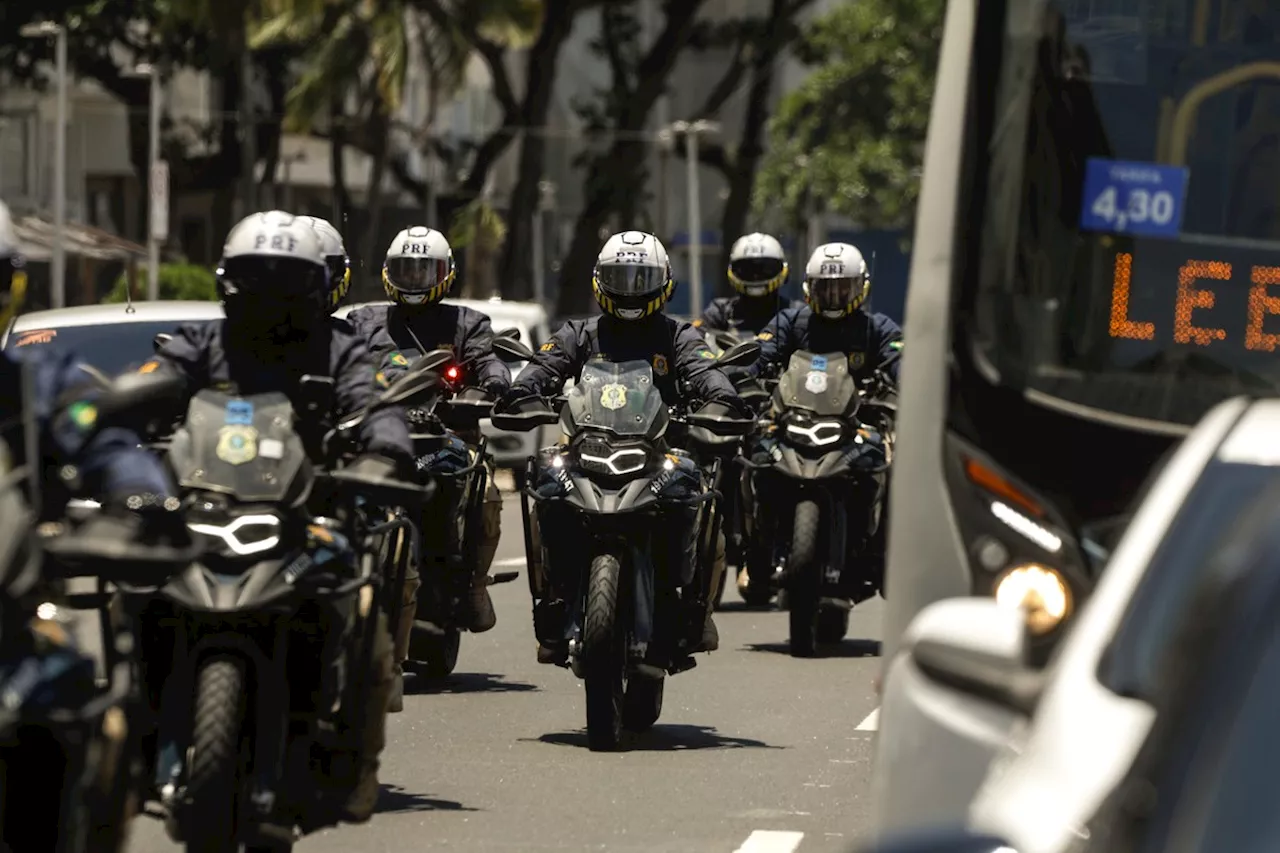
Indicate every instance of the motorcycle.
{"type": "Point", "coordinates": [68, 753]}
{"type": "Point", "coordinates": [445, 524]}
{"type": "Point", "coordinates": [629, 621]}
{"type": "Point", "coordinates": [244, 656]}
{"type": "Point", "coordinates": [820, 463]}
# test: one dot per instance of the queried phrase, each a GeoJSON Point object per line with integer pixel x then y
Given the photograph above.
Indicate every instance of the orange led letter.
{"type": "Point", "coordinates": [1260, 305]}
{"type": "Point", "coordinates": [1190, 298]}
{"type": "Point", "coordinates": [1121, 325]}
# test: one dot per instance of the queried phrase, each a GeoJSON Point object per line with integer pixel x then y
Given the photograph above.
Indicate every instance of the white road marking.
{"type": "Point", "coordinates": [871, 723]}
{"type": "Point", "coordinates": [771, 841]}
{"type": "Point", "coordinates": [510, 561]}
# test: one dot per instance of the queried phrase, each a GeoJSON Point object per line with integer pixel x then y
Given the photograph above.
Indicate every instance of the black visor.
{"type": "Point", "coordinates": [827, 294]}
{"type": "Point", "coordinates": [417, 274]}
{"type": "Point", "coordinates": [337, 265]}
{"type": "Point", "coordinates": [630, 279]}
{"type": "Point", "coordinates": [265, 277]}
{"type": "Point", "coordinates": [756, 270]}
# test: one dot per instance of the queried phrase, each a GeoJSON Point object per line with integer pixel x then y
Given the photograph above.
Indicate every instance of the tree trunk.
{"type": "Point", "coordinates": [271, 131]}
{"type": "Point", "coordinates": [374, 196]}
{"type": "Point", "coordinates": [338, 174]}
{"type": "Point", "coordinates": [540, 72]}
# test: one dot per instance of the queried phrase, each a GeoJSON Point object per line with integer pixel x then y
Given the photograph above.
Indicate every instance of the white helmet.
{"type": "Point", "coordinates": [757, 265]}
{"type": "Point", "coordinates": [632, 278]}
{"type": "Point", "coordinates": [836, 281]}
{"type": "Point", "coordinates": [335, 256]}
{"type": "Point", "coordinates": [13, 275]}
{"type": "Point", "coordinates": [419, 267]}
{"type": "Point", "coordinates": [274, 257]}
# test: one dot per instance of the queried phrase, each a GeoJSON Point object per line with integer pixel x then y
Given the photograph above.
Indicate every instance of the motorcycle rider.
{"type": "Point", "coordinates": [417, 274]}
{"type": "Point", "coordinates": [277, 295]}
{"type": "Point", "coordinates": [631, 283]}
{"type": "Point", "coordinates": [757, 270]}
{"type": "Point", "coordinates": [335, 257]}
{"type": "Point", "coordinates": [837, 285]}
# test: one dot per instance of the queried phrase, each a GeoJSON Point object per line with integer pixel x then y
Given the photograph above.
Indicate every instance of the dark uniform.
{"type": "Point", "coordinates": [740, 313]}
{"type": "Point", "coordinates": [871, 341]}
{"type": "Point", "coordinates": [110, 464]}
{"type": "Point", "coordinates": [673, 347]}
{"type": "Point", "coordinates": [386, 330]}
{"type": "Point", "coordinates": [199, 352]}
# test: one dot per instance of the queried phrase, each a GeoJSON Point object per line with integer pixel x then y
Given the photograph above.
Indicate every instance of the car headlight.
{"type": "Point", "coordinates": [815, 433]}
{"type": "Point", "coordinates": [1040, 591]}
{"type": "Point", "coordinates": [596, 454]}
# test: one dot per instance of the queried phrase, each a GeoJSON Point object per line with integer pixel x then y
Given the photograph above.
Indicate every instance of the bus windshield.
{"type": "Point", "coordinates": [1130, 257]}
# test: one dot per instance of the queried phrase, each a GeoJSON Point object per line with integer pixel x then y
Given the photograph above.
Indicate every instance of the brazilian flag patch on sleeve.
{"type": "Point", "coordinates": [895, 345]}
{"type": "Point", "coordinates": [399, 360]}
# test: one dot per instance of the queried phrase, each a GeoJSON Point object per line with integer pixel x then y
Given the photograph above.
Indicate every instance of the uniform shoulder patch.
{"type": "Point", "coordinates": [660, 365]}
{"type": "Point", "coordinates": [150, 367]}
{"type": "Point", "coordinates": [706, 353]}
{"type": "Point", "coordinates": [547, 347]}
{"type": "Point", "coordinates": [380, 379]}
{"type": "Point", "coordinates": [764, 336]}
{"type": "Point", "coordinates": [399, 360]}
{"type": "Point", "coordinates": [895, 345]}
{"type": "Point", "coordinates": [697, 323]}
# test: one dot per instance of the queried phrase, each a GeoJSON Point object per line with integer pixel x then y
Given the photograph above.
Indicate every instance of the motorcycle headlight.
{"type": "Point", "coordinates": [813, 432]}
{"type": "Point", "coordinates": [244, 535]}
{"type": "Point", "coordinates": [596, 454]}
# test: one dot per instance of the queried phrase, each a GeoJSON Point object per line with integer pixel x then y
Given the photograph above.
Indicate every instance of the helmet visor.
{"type": "Point", "coordinates": [630, 279]}
{"type": "Point", "coordinates": [756, 270]}
{"type": "Point", "coordinates": [829, 293]}
{"type": "Point", "coordinates": [417, 274]}
{"type": "Point", "coordinates": [266, 277]}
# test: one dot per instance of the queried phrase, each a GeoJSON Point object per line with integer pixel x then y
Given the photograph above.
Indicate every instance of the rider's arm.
{"type": "Point", "coordinates": [384, 431]}
{"type": "Point", "coordinates": [888, 339]}
{"type": "Point", "coordinates": [554, 362]}
{"type": "Point", "coordinates": [476, 345]}
{"type": "Point", "coordinates": [713, 317]}
{"type": "Point", "coordinates": [698, 367]}
{"type": "Point", "coordinates": [775, 342]}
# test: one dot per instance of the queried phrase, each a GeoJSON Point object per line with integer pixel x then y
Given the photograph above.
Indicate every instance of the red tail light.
{"type": "Point", "coordinates": [451, 373]}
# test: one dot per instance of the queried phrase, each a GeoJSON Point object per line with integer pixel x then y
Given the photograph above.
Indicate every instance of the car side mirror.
{"type": "Point", "coordinates": [742, 354]}
{"type": "Point", "coordinates": [978, 647]}
{"type": "Point", "coordinates": [945, 840]}
{"type": "Point", "coordinates": [511, 350]}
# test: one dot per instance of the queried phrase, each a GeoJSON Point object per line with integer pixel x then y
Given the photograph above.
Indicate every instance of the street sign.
{"type": "Point", "coordinates": [160, 200]}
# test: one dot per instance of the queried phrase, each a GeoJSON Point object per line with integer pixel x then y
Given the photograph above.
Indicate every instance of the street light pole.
{"type": "Point", "coordinates": [691, 130]}
{"type": "Point", "coordinates": [58, 269]}
{"type": "Point", "coordinates": [153, 143]}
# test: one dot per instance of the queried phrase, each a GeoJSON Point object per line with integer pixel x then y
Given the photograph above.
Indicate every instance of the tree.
{"type": "Point", "coordinates": [177, 281]}
{"type": "Point", "coordinates": [615, 176]}
{"type": "Point", "coordinates": [851, 138]}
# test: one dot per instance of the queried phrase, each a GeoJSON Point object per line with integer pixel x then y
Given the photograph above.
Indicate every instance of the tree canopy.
{"type": "Point", "coordinates": [850, 139]}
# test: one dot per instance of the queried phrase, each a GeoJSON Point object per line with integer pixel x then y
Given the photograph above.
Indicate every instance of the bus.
{"type": "Point", "coordinates": [1096, 263]}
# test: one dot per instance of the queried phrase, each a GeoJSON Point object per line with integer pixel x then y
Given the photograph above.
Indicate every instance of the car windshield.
{"type": "Point", "coordinates": [112, 348]}
{"type": "Point", "coordinates": [620, 398]}
{"type": "Point", "coordinates": [1130, 258]}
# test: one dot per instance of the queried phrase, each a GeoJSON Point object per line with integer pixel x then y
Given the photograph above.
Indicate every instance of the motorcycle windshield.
{"type": "Point", "coordinates": [620, 398]}
{"type": "Point", "coordinates": [241, 446]}
{"type": "Point", "coordinates": [818, 383]}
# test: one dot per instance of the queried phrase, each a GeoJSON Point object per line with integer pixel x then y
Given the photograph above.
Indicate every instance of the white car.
{"type": "Point", "coordinates": [510, 450]}
{"type": "Point", "coordinates": [1055, 743]}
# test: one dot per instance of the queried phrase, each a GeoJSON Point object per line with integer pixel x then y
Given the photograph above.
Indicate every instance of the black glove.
{"type": "Point", "coordinates": [736, 406]}
{"type": "Point", "coordinates": [495, 388]}
{"type": "Point", "coordinates": [510, 397]}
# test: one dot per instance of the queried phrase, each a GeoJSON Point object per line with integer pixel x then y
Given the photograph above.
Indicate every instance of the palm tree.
{"type": "Point", "coordinates": [362, 48]}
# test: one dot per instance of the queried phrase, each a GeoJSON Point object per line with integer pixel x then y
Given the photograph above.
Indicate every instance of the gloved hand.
{"type": "Point", "coordinates": [736, 407]}
{"type": "Point", "coordinates": [495, 388]}
{"type": "Point", "coordinates": [510, 397]}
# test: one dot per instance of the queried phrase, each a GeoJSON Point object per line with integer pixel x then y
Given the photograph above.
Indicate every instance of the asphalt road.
{"type": "Point", "coordinates": [755, 751]}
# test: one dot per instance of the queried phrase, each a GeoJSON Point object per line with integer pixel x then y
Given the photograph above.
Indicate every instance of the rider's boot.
{"type": "Point", "coordinates": [404, 631]}
{"type": "Point", "coordinates": [363, 798]}
{"type": "Point", "coordinates": [710, 635]}
{"type": "Point", "coordinates": [480, 616]}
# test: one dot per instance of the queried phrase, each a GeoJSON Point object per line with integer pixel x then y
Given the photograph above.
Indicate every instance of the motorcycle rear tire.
{"type": "Point", "coordinates": [642, 704]}
{"type": "Point", "coordinates": [805, 583]}
{"type": "Point", "coordinates": [213, 787]}
{"type": "Point", "coordinates": [602, 656]}
{"type": "Point", "coordinates": [433, 656]}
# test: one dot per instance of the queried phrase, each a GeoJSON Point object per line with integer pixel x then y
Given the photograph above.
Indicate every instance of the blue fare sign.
{"type": "Point", "coordinates": [1142, 199]}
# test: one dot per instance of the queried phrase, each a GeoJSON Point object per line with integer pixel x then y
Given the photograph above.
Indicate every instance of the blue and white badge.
{"type": "Point", "coordinates": [1143, 199]}
{"type": "Point", "coordinates": [239, 412]}
{"type": "Point", "coordinates": [818, 362]}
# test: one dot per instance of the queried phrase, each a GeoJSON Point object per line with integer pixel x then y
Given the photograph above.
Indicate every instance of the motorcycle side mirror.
{"type": "Point", "coordinates": [512, 333]}
{"type": "Point", "coordinates": [718, 424]}
{"type": "Point", "coordinates": [511, 350]}
{"type": "Point", "coordinates": [726, 340]}
{"type": "Point", "coordinates": [742, 354]}
{"type": "Point", "coordinates": [160, 340]}
{"type": "Point", "coordinates": [530, 413]}
{"type": "Point", "coordinates": [133, 393]}
{"type": "Point", "coordinates": [431, 362]}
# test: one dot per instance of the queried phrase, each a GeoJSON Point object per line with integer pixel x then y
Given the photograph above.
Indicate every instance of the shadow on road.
{"type": "Point", "coordinates": [739, 606]}
{"type": "Point", "coordinates": [662, 738]}
{"type": "Point", "coordinates": [393, 798]}
{"type": "Point", "coordinates": [844, 649]}
{"type": "Point", "coordinates": [466, 682]}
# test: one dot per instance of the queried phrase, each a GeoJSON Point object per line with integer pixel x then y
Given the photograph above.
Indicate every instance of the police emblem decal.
{"type": "Point", "coordinates": [237, 444]}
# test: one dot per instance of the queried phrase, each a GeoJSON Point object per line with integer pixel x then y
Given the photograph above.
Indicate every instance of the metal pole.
{"type": "Point", "coordinates": [539, 248]}
{"type": "Point", "coordinates": [58, 267]}
{"type": "Point", "coordinates": [695, 223]}
{"type": "Point", "coordinates": [153, 242]}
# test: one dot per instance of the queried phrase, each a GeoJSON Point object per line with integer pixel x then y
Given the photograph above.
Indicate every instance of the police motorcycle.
{"type": "Point", "coordinates": [615, 488]}
{"type": "Point", "coordinates": [446, 522]}
{"type": "Point", "coordinates": [734, 507]}
{"type": "Point", "coordinates": [820, 464]}
{"type": "Point", "coordinates": [69, 755]}
{"type": "Point", "coordinates": [243, 654]}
